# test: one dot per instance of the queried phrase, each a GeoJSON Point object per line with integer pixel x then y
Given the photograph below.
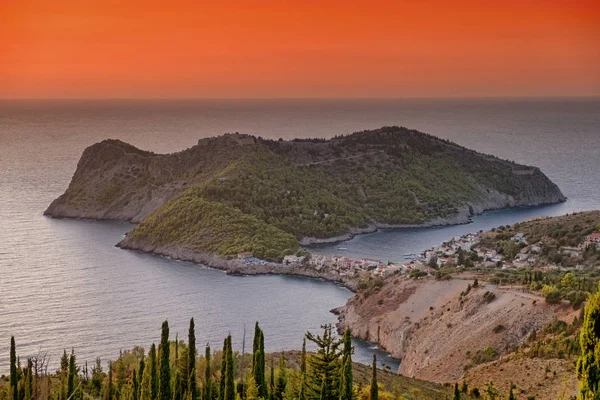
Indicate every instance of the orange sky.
{"type": "Point", "coordinates": [227, 48]}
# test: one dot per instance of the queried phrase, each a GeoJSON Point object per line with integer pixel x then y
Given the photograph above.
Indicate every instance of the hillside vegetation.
{"type": "Point", "coordinates": [315, 189]}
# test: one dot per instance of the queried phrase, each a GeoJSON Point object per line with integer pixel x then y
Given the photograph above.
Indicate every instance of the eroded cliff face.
{"type": "Point", "coordinates": [432, 329]}
{"type": "Point", "coordinates": [115, 180]}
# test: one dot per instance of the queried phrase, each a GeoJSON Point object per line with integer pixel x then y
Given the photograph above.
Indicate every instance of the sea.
{"type": "Point", "coordinates": [63, 284]}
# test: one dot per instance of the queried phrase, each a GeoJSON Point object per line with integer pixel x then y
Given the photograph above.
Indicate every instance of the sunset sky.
{"type": "Point", "coordinates": [227, 48]}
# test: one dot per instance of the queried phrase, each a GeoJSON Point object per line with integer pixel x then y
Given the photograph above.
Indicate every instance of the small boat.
{"type": "Point", "coordinates": [342, 248]}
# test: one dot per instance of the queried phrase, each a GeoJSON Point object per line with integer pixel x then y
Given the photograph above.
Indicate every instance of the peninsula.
{"type": "Point", "coordinates": [237, 193]}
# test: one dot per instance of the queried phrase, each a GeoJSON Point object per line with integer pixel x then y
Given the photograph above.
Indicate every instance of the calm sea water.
{"type": "Point", "coordinates": [63, 284]}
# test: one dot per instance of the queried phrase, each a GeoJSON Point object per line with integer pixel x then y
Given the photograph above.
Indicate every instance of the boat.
{"type": "Point", "coordinates": [342, 248]}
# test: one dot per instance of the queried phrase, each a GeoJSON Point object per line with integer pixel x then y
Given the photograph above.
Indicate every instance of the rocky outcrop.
{"type": "Point", "coordinates": [435, 331]}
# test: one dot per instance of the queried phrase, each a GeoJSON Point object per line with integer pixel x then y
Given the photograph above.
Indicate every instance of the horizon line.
{"type": "Point", "coordinates": [594, 96]}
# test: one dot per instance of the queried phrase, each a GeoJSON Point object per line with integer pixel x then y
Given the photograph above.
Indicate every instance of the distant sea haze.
{"type": "Point", "coordinates": [65, 285]}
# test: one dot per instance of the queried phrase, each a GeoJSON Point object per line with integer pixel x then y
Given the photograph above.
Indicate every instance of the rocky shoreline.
{"type": "Point", "coordinates": [236, 267]}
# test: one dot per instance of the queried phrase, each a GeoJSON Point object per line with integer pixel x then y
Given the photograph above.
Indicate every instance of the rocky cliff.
{"type": "Point", "coordinates": [435, 331]}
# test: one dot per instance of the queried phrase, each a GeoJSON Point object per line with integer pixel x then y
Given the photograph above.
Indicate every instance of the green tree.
{"type": "Point", "coordinates": [491, 391]}
{"type": "Point", "coordinates": [324, 365]}
{"type": "Point", "coordinates": [511, 395]}
{"type": "Point", "coordinates": [134, 386]}
{"type": "Point", "coordinates": [153, 373]}
{"type": "Point", "coordinates": [223, 371]}
{"type": "Point", "coordinates": [72, 374]}
{"type": "Point", "coordinates": [207, 375]}
{"type": "Point", "coordinates": [14, 379]}
{"type": "Point", "coordinates": [259, 364]}
{"type": "Point", "coordinates": [109, 392]}
{"type": "Point", "coordinates": [164, 390]}
{"type": "Point", "coordinates": [456, 392]}
{"type": "Point", "coordinates": [272, 381]}
{"type": "Point", "coordinates": [588, 364]}
{"type": "Point", "coordinates": [192, 387]}
{"type": "Point", "coordinates": [229, 378]}
{"type": "Point", "coordinates": [374, 389]}
{"type": "Point", "coordinates": [140, 377]}
{"type": "Point", "coordinates": [281, 379]}
{"type": "Point", "coordinates": [346, 379]}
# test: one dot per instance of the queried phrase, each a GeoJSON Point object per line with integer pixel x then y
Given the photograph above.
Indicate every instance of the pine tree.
{"type": "Point", "coordinates": [229, 378]}
{"type": "Point", "coordinates": [324, 389]}
{"type": "Point", "coordinates": [14, 383]}
{"type": "Point", "coordinates": [588, 364]}
{"type": "Point", "coordinates": [207, 375]}
{"type": "Point", "coordinates": [164, 389]}
{"type": "Point", "coordinates": [72, 374]}
{"type": "Point", "coordinates": [324, 364]}
{"type": "Point", "coordinates": [374, 388]}
{"type": "Point", "coordinates": [456, 392]}
{"type": "Point", "coordinates": [192, 387]}
{"type": "Point", "coordinates": [346, 379]}
{"type": "Point", "coordinates": [153, 373]}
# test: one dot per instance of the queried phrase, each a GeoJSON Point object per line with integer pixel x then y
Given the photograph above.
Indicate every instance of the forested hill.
{"type": "Point", "coordinates": [237, 192]}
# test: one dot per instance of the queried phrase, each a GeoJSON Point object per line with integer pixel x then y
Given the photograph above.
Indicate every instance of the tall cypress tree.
{"type": "Point", "coordinates": [207, 375]}
{"type": "Point", "coordinates": [28, 381]}
{"type": "Point", "coordinates": [346, 378]}
{"type": "Point", "coordinates": [164, 389]}
{"type": "Point", "coordinates": [134, 386]}
{"type": "Point", "coordinates": [153, 373]}
{"type": "Point", "coordinates": [457, 393]}
{"type": "Point", "coordinates": [192, 387]}
{"type": "Point", "coordinates": [511, 395]}
{"type": "Point", "coordinates": [14, 382]}
{"type": "Point", "coordinates": [229, 378]}
{"type": "Point", "coordinates": [374, 388]}
{"type": "Point", "coordinates": [223, 371]}
{"type": "Point", "coordinates": [72, 373]}
{"type": "Point", "coordinates": [108, 394]}
{"type": "Point", "coordinates": [140, 377]}
{"type": "Point", "coordinates": [588, 364]}
{"type": "Point", "coordinates": [255, 343]}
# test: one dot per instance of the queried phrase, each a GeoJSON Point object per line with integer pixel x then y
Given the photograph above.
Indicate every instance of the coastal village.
{"type": "Point", "coordinates": [468, 250]}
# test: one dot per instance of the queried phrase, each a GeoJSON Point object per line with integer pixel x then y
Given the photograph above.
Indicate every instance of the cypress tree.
{"type": "Point", "coordinates": [153, 373]}
{"type": "Point", "coordinates": [255, 343]}
{"type": "Point", "coordinates": [346, 379]}
{"type": "Point", "coordinates": [229, 379]}
{"type": "Point", "coordinates": [14, 389]}
{"type": "Point", "coordinates": [109, 388]}
{"type": "Point", "coordinates": [164, 390]}
{"type": "Point", "coordinates": [29, 380]}
{"type": "Point", "coordinates": [140, 378]}
{"type": "Point", "coordinates": [207, 375]}
{"type": "Point", "coordinates": [192, 388]}
{"type": "Point", "coordinates": [456, 392]}
{"type": "Point", "coordinates": [374, 388]}
{"type": "Point", "coordinates": [72, 373]}
{"type": "Point", "coordinates": [223, 371]}
{"type": "Point", "coordinates": [588, 364]}
{"type": "Point", "coordinates": [134, 386]}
